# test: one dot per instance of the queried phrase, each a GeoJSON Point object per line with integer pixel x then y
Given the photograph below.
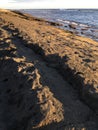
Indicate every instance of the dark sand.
{"type": "Point", "coordinates": [48, 76]}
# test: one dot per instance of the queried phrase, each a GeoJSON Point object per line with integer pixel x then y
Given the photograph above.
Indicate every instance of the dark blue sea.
{"type": "Point", "coordinates": [84, 21]}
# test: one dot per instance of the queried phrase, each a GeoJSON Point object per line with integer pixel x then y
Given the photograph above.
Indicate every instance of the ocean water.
{"type": "Point", "coordinates": [84, 21]}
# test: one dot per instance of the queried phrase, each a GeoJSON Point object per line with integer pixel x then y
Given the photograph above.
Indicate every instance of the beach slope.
{"type": "Point", "coordinates": [48, 76]}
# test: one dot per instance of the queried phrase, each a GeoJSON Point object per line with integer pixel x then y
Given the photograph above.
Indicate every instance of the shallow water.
{"type": "Point", "coordinates": [85, 21]}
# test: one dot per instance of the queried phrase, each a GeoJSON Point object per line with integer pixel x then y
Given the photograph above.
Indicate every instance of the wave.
{"type": "Point", "coordinates": [72, 22]}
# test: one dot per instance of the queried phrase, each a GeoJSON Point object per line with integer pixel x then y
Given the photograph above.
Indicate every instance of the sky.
{"type": "Point", "coordinates": [45, 4]}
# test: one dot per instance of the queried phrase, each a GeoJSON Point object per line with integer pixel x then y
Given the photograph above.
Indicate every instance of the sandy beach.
{"type": "Point", "coordinates": [48, 76]}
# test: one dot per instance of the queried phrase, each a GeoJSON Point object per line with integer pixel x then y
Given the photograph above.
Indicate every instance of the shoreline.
{"type": "Point", "coordinates": [79, 28]}
{"type": "Point", "coordinates": [35, 48]}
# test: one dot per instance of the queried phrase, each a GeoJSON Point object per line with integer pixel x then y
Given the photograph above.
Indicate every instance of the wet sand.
{"type": "Point", "coordinates": [48, 76]}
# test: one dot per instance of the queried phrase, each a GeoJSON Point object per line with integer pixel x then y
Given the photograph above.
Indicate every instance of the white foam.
{"type": "Point", "coordinates": [83, 25]}
{"type": "Point", "coordinates": [64, 21]}
{"type": "Point", "coordinates": [74, 23]}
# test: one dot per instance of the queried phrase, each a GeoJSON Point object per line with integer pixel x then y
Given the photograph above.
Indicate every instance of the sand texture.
{"type": "Point", "coordinates": [48, 76]}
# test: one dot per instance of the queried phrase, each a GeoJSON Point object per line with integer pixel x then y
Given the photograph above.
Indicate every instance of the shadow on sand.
{"type": "Point", "coordinates": [18, 102]}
